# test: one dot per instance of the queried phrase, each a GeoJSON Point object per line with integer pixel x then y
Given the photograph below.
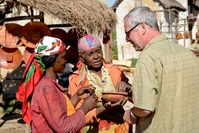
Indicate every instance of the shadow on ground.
{"type": "Point", "coordinates": [8, 117]}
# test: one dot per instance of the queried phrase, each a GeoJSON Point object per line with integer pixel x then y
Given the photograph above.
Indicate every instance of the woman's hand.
{"type": "Point", "coordinates": [124, 87]}
{"type": "Point", "coordinates": [85, 91]}
{"type": "Point", "coordinates": [110, 105]}
{"type": "Point", "coordinates": [89, 103]}
{"type": "Point", "coordinates": [82, 93]}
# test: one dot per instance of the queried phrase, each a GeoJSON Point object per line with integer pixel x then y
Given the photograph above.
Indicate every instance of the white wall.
{"type": "Point", "coordinates": [107, 2]}
{"type": "Point", "coordinates": [125, 50]}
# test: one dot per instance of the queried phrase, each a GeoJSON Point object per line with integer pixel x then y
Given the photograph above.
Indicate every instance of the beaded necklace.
{"type": "Point", "coordinates": [101, 82]}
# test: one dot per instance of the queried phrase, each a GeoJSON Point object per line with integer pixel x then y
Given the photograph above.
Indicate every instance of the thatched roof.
{"type": "Point", "coordinates": [82, 14]}
{"type": "Point", "coordinates": [168, 4]}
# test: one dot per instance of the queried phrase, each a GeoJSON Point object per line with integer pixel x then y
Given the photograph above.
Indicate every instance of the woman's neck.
{"type": "Point", "coordinates": [96, 71]}
{"type": "Point", "coordinates": [51, 74]}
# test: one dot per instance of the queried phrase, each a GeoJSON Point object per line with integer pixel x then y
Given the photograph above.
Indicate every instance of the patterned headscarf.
{"type": "Point", "coordinates": [87, 42]}
{"type": "Point", "coordinates": [34, 71]}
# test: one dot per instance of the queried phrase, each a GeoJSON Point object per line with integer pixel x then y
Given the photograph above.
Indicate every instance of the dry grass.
{"type": "Point", "coordinates": [92, 15]}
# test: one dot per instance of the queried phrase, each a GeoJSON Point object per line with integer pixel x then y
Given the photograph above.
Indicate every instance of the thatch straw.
{"type": "Point", "coordinates": [91, 15]}
{"type": "Point", "coordinates": [168, 4]}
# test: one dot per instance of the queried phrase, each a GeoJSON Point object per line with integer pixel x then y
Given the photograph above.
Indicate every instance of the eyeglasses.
{"type": "Point", "coordinates": [129, 32]}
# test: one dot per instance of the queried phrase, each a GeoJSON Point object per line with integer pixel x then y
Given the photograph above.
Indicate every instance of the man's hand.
{"type": "Point", "coordinates": [127, 117]}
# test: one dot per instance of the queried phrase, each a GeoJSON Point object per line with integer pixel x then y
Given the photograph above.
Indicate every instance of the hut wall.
{"type": "Point", "coordinates": [125, 50]}
{"type": "Point", "coordinates": [107, 2]}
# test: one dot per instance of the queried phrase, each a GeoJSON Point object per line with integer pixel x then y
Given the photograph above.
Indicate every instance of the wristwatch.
{"type": "Point", "coordinates": [132, 114]}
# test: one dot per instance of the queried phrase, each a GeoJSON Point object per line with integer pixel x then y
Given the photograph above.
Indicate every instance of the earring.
{"type": "Point", "coordinates": [81, 59]}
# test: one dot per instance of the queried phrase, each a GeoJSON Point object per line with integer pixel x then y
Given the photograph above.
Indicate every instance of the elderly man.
{"type": "Point", "coordinates": [165, 85]}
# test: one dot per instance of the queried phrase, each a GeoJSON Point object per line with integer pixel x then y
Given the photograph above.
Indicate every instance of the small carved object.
{"type": "Point", "coordinates": [179, 35]}
{"type": "Point", "coordinates": [10, 35]}
{"type": "Point", "coordinates": [32, 32]}
{"type": "Point", "coordinates": [186, 35]}
{"type": "Point", "coordinates": [59, 33]}
{"type": "Point", "coordinates": [10, 58]}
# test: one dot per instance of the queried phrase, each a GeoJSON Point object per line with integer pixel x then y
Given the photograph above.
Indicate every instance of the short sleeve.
{"type": "Point", "coordinates": [145, 87]}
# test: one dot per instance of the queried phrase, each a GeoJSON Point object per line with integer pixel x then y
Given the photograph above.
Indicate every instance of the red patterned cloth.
{"type": "Point", "coordinates": [34, 71]}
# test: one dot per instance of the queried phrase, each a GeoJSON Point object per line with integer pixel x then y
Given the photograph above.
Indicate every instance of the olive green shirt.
{"type": "Point", "coordinates": [166, 82]}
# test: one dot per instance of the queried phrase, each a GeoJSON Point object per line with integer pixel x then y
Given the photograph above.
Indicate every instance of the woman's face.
{"type": "Point", "coordinates": [60, 62]}
{"type": "Point", "coordinates": [93, 58]}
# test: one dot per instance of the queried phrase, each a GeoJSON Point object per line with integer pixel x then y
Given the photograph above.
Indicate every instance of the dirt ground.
{"type": "Point", "coordinates": [12, 124]}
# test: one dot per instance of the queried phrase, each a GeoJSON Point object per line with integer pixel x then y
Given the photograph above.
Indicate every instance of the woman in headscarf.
{"type": "Point", "coordinates": [45, 105]}
{"type": "Point", "coordinates": [92, 69]}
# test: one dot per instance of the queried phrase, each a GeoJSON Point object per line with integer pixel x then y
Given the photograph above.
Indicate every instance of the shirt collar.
{"type": "Point", "coordinates": [54, 81]}
{"type": "Point", "coordinates": [155, 40]}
